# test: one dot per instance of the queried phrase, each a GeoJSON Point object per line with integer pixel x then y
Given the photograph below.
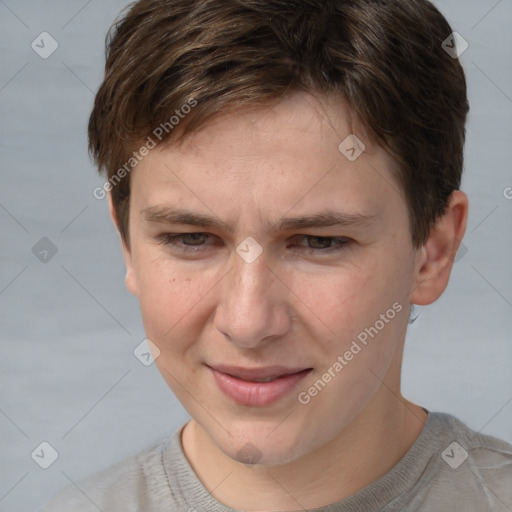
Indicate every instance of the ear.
{"type": "Point", "coordinates": [130, 278]}
{"type": "Point", "coordinates": [435, 259]}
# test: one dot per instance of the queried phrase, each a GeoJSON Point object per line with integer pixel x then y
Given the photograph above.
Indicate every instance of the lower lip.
{"type": "Point", "coordinates": [257, 394]}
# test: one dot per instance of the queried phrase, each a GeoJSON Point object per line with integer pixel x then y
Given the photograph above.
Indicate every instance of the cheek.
{"type": "Point", "coordinates": [166, 295]}
{"type": "Point", "coordinates": [347, 306]}
{"type": "Point", "coordinates": [337, 302]}
{"type": "Point", "coordinates": [171, 314]}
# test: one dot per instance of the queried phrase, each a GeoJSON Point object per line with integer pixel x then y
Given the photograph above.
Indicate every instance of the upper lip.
{"type": "Point", "coordinates": [257, 373]}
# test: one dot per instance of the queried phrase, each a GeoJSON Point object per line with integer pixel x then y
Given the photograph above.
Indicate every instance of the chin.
{"type": "Point", "coordinates": [252, 445]}
{"type": "Point", "coordinates": [253, 455]}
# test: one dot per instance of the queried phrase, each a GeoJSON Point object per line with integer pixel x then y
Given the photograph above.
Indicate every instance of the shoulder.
{"type": "Point", "coordinates": [483, 448]}
{"type": "Point", "coordinates": [474, 466]}
{"type": "Point", "coordinates": [134, 484]}
{"type": "Point", "coordinates": [489, 458]}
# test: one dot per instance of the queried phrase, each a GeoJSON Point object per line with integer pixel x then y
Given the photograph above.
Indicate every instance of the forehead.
{"type": "Point", "coordinates": [291, 155]}
{"type": "Point", "coordinates": [312, 124]}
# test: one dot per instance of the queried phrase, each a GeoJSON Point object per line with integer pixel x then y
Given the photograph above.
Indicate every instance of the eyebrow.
{"type": "Point", "coordinates": [164, 214]}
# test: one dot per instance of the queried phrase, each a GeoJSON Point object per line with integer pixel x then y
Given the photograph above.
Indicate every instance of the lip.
{"type": "Point", "coordinates": [257, 394]}
{"type": "Point", "coordinates": [257, 373]}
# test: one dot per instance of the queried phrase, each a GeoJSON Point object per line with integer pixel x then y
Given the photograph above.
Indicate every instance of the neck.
{"type": "Point", "coordinates": [367, 449]}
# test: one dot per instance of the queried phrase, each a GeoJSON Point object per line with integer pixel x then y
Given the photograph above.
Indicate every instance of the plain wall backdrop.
{"type": "Point", "coordinates": [68, 326]}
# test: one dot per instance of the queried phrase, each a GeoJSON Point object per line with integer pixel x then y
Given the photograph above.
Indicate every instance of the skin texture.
{"type": "Point", "coordinates": [291, 306]}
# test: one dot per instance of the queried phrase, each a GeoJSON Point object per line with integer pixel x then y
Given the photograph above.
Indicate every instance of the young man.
{"type": "Point", "coordinates": [285, 179]}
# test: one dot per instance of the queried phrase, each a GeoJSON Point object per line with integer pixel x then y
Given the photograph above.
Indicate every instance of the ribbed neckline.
{"type": "Point", "coordinates": [433, 438]}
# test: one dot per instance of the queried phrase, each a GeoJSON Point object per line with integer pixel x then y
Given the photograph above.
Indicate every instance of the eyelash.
{"type": "Point", "coordinates": [172, 240]}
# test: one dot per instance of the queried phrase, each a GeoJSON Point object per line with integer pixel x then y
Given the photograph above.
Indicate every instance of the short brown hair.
{"type": "Point", "coordinates": [384, 57]}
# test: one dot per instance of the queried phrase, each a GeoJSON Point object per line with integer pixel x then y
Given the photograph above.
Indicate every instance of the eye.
{"type": "Point", "coordinates": [190, 240]}
{"type": "Point", "coordinates": [196, 242]}
{"type": "Point", "coordinates": [323, 244]}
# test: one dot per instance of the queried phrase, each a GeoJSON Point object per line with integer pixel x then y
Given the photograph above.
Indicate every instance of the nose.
{"type": "Point", "coordinates": [253, 307]}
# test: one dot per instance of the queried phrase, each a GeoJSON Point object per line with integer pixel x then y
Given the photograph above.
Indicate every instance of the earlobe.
{"type": "Point", "coordinates": [130, 278]}
{"type": "Point", "coordinates": [435, 259]}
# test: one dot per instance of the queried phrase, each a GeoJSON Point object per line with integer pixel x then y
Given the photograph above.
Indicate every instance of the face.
{"type": "Point", "coordinates": [257, 243]}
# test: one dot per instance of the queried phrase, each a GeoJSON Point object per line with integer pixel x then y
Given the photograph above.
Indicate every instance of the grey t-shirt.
{"type": "Point", "coordinates": [448, 468]}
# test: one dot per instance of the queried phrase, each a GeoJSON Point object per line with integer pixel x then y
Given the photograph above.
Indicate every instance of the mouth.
{"type": "Point", "coordinates": [257, 386]}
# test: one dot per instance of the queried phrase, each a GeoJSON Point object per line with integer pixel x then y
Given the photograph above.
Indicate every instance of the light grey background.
{"type": "Point", "coordinates": [68, 327]}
